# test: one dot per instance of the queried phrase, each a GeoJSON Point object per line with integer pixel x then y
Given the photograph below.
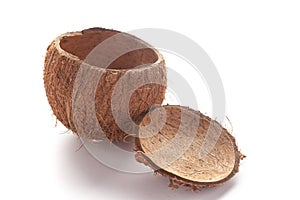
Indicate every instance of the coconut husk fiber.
{"type": "Point", "coordinates": [187, 147]}
{"type": "Point", "coordinates": [101, 82]}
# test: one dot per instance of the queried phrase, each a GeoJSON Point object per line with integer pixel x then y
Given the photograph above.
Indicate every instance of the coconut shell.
{"type": "Point", "coordinates": [171, 141]}
{"type": "Point", "coordinates": [103, 91]}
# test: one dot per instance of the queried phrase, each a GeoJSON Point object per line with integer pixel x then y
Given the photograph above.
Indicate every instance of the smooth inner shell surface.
{"type": "Point", "coordinates": [82, 45]}
{"type": "Point", "coordinates": [173, 144]}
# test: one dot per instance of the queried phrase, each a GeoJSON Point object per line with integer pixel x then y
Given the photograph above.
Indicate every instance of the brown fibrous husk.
{"type": "Point", "coordinates": [80, 87]}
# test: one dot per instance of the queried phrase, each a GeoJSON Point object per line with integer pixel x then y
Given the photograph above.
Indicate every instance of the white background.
{"type": "Point", "coordinates": [255, 46]}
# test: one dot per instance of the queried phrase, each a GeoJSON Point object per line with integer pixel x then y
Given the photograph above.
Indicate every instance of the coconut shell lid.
{"type": "Point", "coordinates": [187, 147]}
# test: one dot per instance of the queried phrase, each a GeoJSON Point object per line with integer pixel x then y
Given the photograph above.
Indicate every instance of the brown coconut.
{"type": "Point", "coordinates": [170, 141]}
{"type": "Point", "coordinates": [87, 88]}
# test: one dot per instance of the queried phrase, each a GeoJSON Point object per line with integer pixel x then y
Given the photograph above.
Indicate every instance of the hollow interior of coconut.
{"type": "Point", "coordinates": [87, 47]}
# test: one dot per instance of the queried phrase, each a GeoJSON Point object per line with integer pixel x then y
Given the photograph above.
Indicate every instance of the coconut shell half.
{"type": "Point", "coordinates": [100, 82]}
{"type": "Point", "coordinates": [187, 147]}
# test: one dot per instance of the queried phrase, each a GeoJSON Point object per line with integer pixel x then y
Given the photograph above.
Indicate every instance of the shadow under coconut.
{"type": "Point", "coordinates": [81, 171]}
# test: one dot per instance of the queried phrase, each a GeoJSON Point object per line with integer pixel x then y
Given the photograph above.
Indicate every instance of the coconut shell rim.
{"type": "Point", "coordinates": [56, 44]}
